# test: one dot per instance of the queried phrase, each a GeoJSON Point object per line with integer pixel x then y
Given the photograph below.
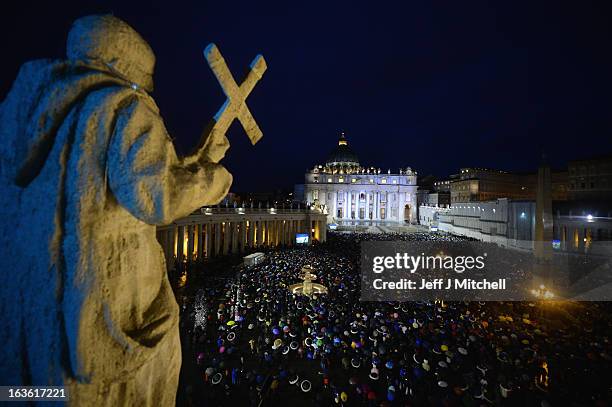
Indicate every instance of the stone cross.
{"type": "Point", "coordinates": [235, 104]}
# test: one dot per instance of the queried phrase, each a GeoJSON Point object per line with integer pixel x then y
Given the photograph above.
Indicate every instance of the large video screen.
{"type": "Point", "coordinates": [301, 238]}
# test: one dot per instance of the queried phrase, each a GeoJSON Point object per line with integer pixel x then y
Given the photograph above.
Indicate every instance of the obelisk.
{"type": "Point", "coordinates": [543, 226]}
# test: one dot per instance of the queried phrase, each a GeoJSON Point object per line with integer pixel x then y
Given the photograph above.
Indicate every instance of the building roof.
{"type": "Point", "coordinates": [342, 154]}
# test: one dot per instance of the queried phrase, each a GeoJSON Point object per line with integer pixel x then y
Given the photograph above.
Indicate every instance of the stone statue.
{"type": "Point", "coordinates": [87, 169]}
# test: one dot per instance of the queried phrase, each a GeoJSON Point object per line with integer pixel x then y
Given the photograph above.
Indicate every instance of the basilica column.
{"type": "Point", "coordinates": [189, 242]}
{"type": "Point", "coordinates": [285, 225]}
{"type": "Point", "coordinates": [234, 238]}
{"type": "Point", "coordinates": [348, 204]}
{"type": "Point", "coordinates": [322, 231]}
{"type": "Point", "coordinates": [240, 236]}
{"type": "Point", "coordinates": [208, 240]}
{"type": "Point", "coordinates": [333, 205]}
{"type": "Point", "coordinates": [239, 231]}
{"type": "Point", "coordinates": [174, 241]}
{"type": "Point", "coordinates": [260, 233]}
{"type": "Point", "coordinates": [251, 233]}
{"type": "Point", "coordinates": [367, 205]}
{"type": "Point", "coordinates": [199, 241]}
{"type": "Point", "coordinates": [283, 233]}
{"type": "Point", "coordinates": [180, 242]}
{"type": "Point", "coordinates": [227, 235]}
{"type": "Point", "coordinates": [218, 232]}
{"type": "Point", "coordinates": [243, 236]}
{"type": "Point", "coordinates": [376, 206]}
{"type": "Point", "coordinates": [277, 232]}
{"type": "Point", "coordinates": [171, 244]}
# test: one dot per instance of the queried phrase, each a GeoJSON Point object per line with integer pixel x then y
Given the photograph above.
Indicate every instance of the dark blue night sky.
{"type": "Point", "coordinates": [431, 85]}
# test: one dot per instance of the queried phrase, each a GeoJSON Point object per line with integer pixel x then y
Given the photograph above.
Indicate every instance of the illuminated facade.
{"type": "Point", "coordinates": [511, 223]}
{"type": "Point", "coordinates": [480, 184]}
{"type": "Point", "coordinates": [219, 231]}
{"type": "Point", "coordinates": [351, 193]}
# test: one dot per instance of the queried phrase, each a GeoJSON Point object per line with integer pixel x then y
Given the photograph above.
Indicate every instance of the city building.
{"type": "Point", "coordinates": [432, 194]}
{"type": "Point", "coordinates": [590, 179]}
{"type": "Point", "coordinates": [511, 220]}
{"type": "Point", "coordinates": [441, 195]}
{"type": "Point", "coordinates": [351, 193]}
{"type": "Point", "coordinates": [480, 184]}
{"type": "Point", "coordinates": [512, 223]}
{"type": "Point", "coordinates": [443, 185]}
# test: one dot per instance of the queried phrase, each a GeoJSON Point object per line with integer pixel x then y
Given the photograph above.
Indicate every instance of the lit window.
{"type": "Point", "coordinates": [371, 181]}
{"type": "Point", "coordinates": [383, 181]}
{"type": "Point", "coordinates": [329, 180]}
{"type": "Point", "coordinates": [395, 181]}
{"type": "Point", "coordinates": [353, 179]}
{"type": "Point", "coordinates": [341, 179]}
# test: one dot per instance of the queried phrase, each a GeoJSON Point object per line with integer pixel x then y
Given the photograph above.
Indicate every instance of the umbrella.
{"type": "Point", "coordinates": [216, 379]}
{"type": "Point", "coordinates": [305, 386]}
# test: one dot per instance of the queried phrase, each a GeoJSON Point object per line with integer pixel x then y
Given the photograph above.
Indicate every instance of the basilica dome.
{"type": "Point", "coordinates": [342, 155]}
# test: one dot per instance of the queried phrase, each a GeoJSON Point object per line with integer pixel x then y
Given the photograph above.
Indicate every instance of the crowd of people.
{"type": "Point", "coordinates": [247, 340]}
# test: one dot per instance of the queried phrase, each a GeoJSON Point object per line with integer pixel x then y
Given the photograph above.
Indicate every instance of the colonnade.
{"type": "Point", "coordinates": [199, 237]}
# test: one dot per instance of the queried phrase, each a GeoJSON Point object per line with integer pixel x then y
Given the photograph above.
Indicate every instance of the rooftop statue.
{"type": "Point", "coordinates": [87, 171]}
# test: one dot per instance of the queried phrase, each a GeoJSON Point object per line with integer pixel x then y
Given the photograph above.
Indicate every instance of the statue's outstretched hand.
{"type": "Point", "coordinates": [214, 147]}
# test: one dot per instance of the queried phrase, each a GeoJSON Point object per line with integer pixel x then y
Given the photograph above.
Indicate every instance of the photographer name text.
{"type": "Point", "coordinates": [440, 284]}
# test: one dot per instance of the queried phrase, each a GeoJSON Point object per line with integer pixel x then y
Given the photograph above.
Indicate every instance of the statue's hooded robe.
{"type": "Point", "coordinates": [87, 170]}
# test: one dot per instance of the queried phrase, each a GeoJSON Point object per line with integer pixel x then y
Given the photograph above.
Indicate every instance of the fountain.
{"type": "Point", "coordinates": [307, 287]}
